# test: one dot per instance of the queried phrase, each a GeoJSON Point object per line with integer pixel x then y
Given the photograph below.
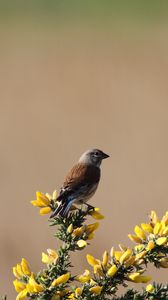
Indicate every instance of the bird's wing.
{"type": "Point", "coordinates": [81, 175]}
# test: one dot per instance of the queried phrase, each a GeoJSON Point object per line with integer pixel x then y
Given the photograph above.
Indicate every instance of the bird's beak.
{"type": "Point", "coordinates": [104, 155]}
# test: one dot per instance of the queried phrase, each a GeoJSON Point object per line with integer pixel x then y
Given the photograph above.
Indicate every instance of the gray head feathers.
{"type": "Point", "coordinates": [93, 157]}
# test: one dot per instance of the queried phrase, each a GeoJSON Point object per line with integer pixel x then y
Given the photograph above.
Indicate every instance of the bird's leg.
{"type": "Point", "coordinates": [89, 207]}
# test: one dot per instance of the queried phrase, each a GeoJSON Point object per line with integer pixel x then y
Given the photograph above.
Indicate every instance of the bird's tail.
{"type": "Point", "coordinates": [63, 209]}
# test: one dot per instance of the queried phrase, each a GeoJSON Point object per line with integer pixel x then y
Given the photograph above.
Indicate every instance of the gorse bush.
{"type": "Point", "coordinates": [104, 276]}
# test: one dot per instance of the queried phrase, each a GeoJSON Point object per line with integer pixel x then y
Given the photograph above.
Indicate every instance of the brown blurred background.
{"type": "Point", "coordinates": [74, 77]}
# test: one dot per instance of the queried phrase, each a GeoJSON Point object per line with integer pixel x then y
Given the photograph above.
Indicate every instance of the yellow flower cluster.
{"type": "Point", "coordinates": [96, 290]}
{"type": "Point", "coordinates": [25, 282]}
{"type": "Point", "coordinates": [44, 202]}
{"type": "Point", "coordinates": [150, 288]}
{"type": "Point", "coordinates": [112, 269]}
{"type": "Point", "coordinates": [148, 236]}
{"type": "Point", "coordinates": [56, 282]}
{"type": "Point", "coordinates": [95, 213]}
{"type": "Point", "coordinates": [83, 233]}
{"type": "Point", "coordinates": [108, 267]}
{"type": "Point", "coordinates": [49, 258]}
{"type": "Point", "coordinates": [85, 278]}
{"type": "Point", "coordinates": [110, 264]}
{"type": "Point", "coordinates": [151, 235]}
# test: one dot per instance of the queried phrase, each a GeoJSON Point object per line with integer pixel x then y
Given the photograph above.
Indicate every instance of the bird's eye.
{"type": "Point", "coordinates": [96, 153]}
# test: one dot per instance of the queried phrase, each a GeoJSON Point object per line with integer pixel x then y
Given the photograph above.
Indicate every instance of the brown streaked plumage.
{"type": "Point", "coordinates": [81, 182]}
{"type": "Point", "coordinates": [79, 175]}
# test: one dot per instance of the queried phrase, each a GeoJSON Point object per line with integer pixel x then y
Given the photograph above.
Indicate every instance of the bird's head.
{"type": "Point", "coordinates": [93, 157]}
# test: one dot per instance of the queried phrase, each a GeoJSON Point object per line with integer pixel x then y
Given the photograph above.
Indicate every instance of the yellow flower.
{"type": "Point", "coordinates": [157, 228]}
{"type": "Point", "coordinates": [140, 255]}
{"type": "Point", "coordinates": [140, 233]}
{"type": "Point", "coordinates": [49, 258]}
{"type": "Point", "coordinates": [142, 279]}
{"type": "Point", "coordinates": [21, 269]}
{"type": "Point", "coordinates": [15, 273]}
{"type": "Point", "coordinates": [147, 227]}
{"type": "Point", "coordinates": [165, 231]}
{"type": "Point", "coordinates": [150, 245]}
{"type": "Point", "coordinates": [153, 217]}
{"type": "Point", "coordinates": [85, 277]}
{"type": "Point", "coordinates": [130, 261]}
{"type": "Point", "coordinates": [78, 291]}
{"type": "Point", "coordinates": [96, 289]}
{"type": "Point", "coordinates": [92, 282]}
{"type": "Point", "coordinates": [134, 238]}
{"type": "Point", "coordinates": [32, 286]}
{"type": "Point", "coordinates": [161, 241]}
{"type": "Point", "coordinates": [92, 261]}
{"type": "Point", "coordinates": [165, 218]}
{"type": "Point", "coordinates": [19, 286]}
{"type": "Point", "coordinates": [70, 228]}
{"type": "Point", "coordinates": [45, 210]}
{"type": "Point", "coordinates": [96, 214]}
{"type": "Point", "coordinates": [81, 243]}
{"type": "Point", "coordinates": [53, 196]}
{"type": "Point", "coordinates": [72, 296]}
{"type": "Point", "coordinates": [90, 236]}
{"type": "Point", "coordinates": [41, 200]}
{"type": "Point", "coordinates": [117, 255]}
{"type": "Point", "coordinates": [133, 276]}
{"type": "Point", "coordinates": [46, 259]}
{"type": "Point", "coordinates": [136, 277]}
{"type": "Point", "coordinates": [111, 272]}
{"type": "Point", "coordinates": [150, 288]}
{"type": "Point", "coordinates": [52, 253]}
{"type": "Point", "coordinates": [98, 269]}
{"type": "Point", "coordinates": [25, 267]}
{"type": "Point", "coordinates": [164, 262]}
{"type": "Point", "coordinates": [163, 226]}
{"type": "Point", "coordinates": [61, 279]}
{"type": "Point", "coordinates": [78, 231]}
{"type": "Point", "coordinates": [22, 295]}
{"type": "Point", "coordinates": [125, 256]}
{"type": "Point", "coordinates": [105, 259]}
{"type": "Point", "coordinates": [91, 227]}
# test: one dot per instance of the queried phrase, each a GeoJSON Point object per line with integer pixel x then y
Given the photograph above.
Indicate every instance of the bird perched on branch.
{"type": "Point", "coordinates": [81, 182]}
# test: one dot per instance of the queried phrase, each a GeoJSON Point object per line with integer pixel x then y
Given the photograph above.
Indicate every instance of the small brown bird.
{"type": "Point", "coordinates": [81, 182]}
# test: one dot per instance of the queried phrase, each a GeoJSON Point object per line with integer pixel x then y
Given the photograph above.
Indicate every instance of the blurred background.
{"type": "Point", "coordinates": [76, 75]}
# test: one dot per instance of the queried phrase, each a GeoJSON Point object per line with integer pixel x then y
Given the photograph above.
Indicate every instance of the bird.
{"type": "Point", "coordinates": [81, 182]}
